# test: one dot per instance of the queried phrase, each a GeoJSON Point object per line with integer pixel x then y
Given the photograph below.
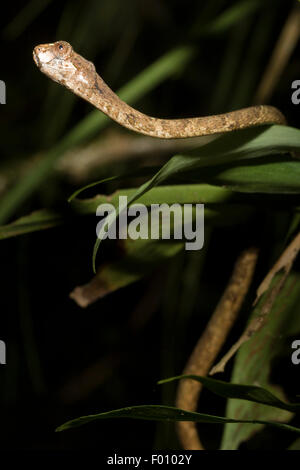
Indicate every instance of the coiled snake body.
{"type": "Point", "coordinates": [62, 64]}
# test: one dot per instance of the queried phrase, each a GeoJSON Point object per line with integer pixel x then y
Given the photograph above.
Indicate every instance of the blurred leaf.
{"type": "Point", "coordinates": [24, 18]}
{"type": "Point", "coordinates": [163, 413]}
{"type": "Point", "coordinates": [228, 72]}
{"type": "Point", "coordinates": [294, 226]}
{"type": "Point", "coordinates": [296, 443]}
{"type": "Point", "coordinates": [253, 361]}
{"type": "Point", "coordinates": [234, 14]}
{"type": "Point", "coordinates": [38, 220]}
{"type": "Point", "coordinates": [255, 50]}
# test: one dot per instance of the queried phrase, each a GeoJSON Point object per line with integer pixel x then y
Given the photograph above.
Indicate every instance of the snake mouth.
{"type": "Point", "coordinates": [36, 59]}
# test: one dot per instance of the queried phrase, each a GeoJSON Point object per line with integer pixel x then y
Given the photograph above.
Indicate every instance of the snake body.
{"type": "Point", "coordinates": [62, 64]}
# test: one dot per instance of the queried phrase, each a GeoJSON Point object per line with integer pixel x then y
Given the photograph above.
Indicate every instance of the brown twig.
{"type": "Point", "coordinates": [211, 341]}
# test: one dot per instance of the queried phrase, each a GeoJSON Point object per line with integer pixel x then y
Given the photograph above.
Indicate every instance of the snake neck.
{"type": "Point", "coordinates": [103, 98]}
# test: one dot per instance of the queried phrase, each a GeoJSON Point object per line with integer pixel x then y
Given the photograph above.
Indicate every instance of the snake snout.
{"type": "Point", "coordinates": [36, 57]}
{"type": "Point", "coordinates": [42, 55]}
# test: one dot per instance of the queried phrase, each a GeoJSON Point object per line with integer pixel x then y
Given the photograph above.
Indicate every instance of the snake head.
{"type": "Point", "coordinates": [59, 62]}
{"type": "Point", "coordinates": [55, 60]}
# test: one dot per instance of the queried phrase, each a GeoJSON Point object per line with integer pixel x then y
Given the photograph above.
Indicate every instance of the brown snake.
{"type": "Point", "coordinates": [59, 62]}
{"type": "Point", "coordinates": [62, 64]}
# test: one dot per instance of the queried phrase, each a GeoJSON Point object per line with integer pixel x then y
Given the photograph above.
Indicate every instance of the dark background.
{"type": "Point", "coordinates": [64, 361]}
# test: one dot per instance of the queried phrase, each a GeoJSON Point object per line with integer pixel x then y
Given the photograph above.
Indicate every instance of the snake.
{"type": "Point", "coordinates": [62, 64]}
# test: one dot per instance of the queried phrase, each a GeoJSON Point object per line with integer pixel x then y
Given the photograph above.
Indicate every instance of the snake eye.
{"type": "Point", "coordinates": [63, 49]}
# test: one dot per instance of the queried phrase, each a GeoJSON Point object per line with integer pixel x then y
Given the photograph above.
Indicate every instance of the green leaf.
{"type": "Point", "coordinates": [217, 211]}
{"type": "Point", "coordinates": [163, 413]}
{"type": "Point", "coordinates": [140, 257]}
{"type": "Point", "coordinates": [231, 16]}
{"type": "Point", "coordinates": [38, 220]}
{"type": "Point", "coordinates": [295, 445]}
{"type": "Point", "coordinates": [275, 176]}
{"type": "Point", "coordinates": [235, 146]}
{"type": "Point", "coordinates": [189, 193]}
{"type": "Point", "coordinates": [91, 185]}
{"type": "Point", "coordinates": [250, 393]}
{"type": "Point", "coordinates": [254, 359]}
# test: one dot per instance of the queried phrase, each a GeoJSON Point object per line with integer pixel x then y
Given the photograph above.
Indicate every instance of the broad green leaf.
{"type": "Point", "coordinates": [163, 413]}
{"type": "Point", "coordinates": [142, 256]}
{"type": "Point", "coordinates": [281, 177]}
{"type": "Point", "coordinates": [242, 392]}
{"type": "Point", "coordinates": [253, 361]}
{"type": "Point", "coordinates": [235, 146]}
{"type": "Point", "coordinates": [217, 210]}
{"type": "Point", "coordinates": [189, 193]}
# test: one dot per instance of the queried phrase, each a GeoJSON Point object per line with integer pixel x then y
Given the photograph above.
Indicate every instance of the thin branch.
{"type": "Point", "coordinates": [211, 341]}
{"type": "Point", "coordinates": [282, 52]}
